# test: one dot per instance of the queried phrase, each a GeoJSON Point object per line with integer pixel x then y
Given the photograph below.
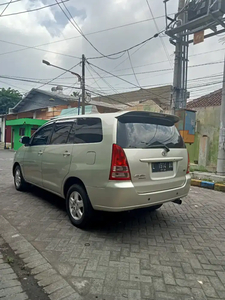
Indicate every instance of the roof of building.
{"type": "Point", "coordinates": [25, 121]}
{"type": "Point", "coordinates": [212, 99]}
{"type": "Point", "coordinates": [53, 95]}
{"type": "Point", "coordinates": [160, 95]}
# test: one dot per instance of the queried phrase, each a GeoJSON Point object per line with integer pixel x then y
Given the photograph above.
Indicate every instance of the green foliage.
{"type": "Point", "coordinates": [9, 260]}
{"type": "Point", "coordinates": [8, 99]}
{"type": "Point", "coordinates": [75, 94]}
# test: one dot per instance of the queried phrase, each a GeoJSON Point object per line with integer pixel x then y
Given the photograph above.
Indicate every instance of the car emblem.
{"type": "Point", "coordinates": [140, 176]}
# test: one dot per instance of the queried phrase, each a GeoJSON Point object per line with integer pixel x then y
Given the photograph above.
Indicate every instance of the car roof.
{"type": "Point", "coordinates": [171, 119]}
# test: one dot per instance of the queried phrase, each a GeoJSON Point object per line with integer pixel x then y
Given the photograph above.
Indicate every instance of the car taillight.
{"type": "Point", "coordinates": [119, 166]}
{"type": "Point", "coordinates": [188, 166]}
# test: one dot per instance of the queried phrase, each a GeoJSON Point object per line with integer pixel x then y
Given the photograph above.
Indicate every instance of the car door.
{"type": "Point", "coordinates": [57, 156]}
{"type": "Point", "coordinates": [33, 155]}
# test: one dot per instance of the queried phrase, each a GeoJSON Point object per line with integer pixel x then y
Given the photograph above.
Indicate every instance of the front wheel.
{"type": "Point", "coordinates": [19, 182]}
{"type": "Point", "coordinates": [78, 206]}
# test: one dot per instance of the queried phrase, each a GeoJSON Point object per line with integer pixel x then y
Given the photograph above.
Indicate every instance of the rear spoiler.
{"type": "Point", "coordinates": [148, 117]}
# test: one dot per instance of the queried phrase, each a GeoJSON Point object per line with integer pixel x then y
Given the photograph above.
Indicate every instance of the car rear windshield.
{"type": "Point", "coordinates": [150, 134]}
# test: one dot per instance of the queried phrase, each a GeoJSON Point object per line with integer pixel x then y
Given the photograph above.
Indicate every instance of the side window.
{"type": "Point", "coordinates": [42, 136]}
{"type": "Point", "coordinates": [61, 133]}
{"type": "Point", "coordinates": [88, 130]}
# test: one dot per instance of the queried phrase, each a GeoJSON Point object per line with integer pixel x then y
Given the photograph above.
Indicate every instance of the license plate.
{"type": "Point", "coordinates": [162, 167]}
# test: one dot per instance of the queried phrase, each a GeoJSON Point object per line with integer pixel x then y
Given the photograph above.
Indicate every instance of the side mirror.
{"type": "Point", "coordinates": [25, 140]}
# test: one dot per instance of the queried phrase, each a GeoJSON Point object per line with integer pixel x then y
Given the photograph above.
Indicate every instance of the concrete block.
{"type": "Point", "coordinates": [208, 185]}
{"type": "Point", "coordinates": [196, 182]}
{"type": "Point", "coordinates": [203, 151]}
{"type": "Point", "coordinates": [220, 187]}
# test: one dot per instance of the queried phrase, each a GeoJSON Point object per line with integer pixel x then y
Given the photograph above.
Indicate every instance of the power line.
{"type": "Point", "coordinates": [108, 85]}
{"type": "Point", "coordinates": [33, 47]}
{"type": "Point", "coordinates": [135, 76]}
{"type": "Point", "coordinates": [12, 85]}
{"type": "Point", "coordinates": [157, 28]}
{"type": "Point", "coordinates": [31, 10]}
{"type": "Point", "coordinates": [87, 66]}
{"type": "Point", "coordinates": [75, 25]}
{"type": "Point", "coordinates": [78, 36]}
{"type": "Point", "coordinates": [156, 71]}
{"type": "Point", "coordinates": [4, 9]}
{"type": "Point", "coordinates": [106, 96]}
{"type": "Point", "coordinates": [32, 81]}
{"type": "Point", "coordinates": [58, 76]}
{"type": "Point", "coordinates": [130, 48]}
{"type": "Point", "coordinates": [10, 2]}
{"type": "Point", "coordinates": [126, 81]}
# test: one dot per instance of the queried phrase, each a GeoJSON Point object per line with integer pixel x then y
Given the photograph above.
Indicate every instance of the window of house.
{"type": "Point", "coordinates": [33, 129]}
{"type": "Point", "coordinates": [61, 133]}
{"type": "Point", "coordinates": [22, 131]}
{"type": "Point", "coordinates": [88, 130]}
{"type": "Point", "coordinates": [42, 136]}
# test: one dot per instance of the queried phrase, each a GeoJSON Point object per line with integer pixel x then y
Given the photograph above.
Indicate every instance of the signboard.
{"type": "Point", "coordinates": [198, 37]}
{"type": "Point", "coordinates": [197, 9]}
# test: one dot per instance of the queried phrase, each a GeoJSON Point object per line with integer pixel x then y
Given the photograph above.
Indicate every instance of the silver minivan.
{"type": "Point", "coordinates": [108, 162]}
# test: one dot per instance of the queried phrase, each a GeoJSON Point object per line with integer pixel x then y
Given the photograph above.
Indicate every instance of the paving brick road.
{"type": "Point", "coordinates": [10, 287]}
{"type": "Point", "coordinates": [177, 252]}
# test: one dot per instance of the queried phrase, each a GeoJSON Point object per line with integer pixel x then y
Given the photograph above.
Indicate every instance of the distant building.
{"type": "Point", "coordinates": [37, 107]}
{"type": "Point", "coordinates": [204, 151]}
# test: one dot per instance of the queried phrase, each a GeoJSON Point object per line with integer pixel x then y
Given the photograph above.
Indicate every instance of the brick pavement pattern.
{"type": "Point", "coordinates": [10, 287]}
{"type": "Point", "coordinates": [177, 252]}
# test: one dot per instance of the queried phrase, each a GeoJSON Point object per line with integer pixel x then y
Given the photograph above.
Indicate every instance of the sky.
{"type": "Point", "coordinates": [28, 38]}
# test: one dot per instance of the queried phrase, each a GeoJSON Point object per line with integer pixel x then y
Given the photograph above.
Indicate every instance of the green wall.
{"type": "Point", "coordinates": [25, 123]}
{"type": "Point", "coordinates": [17, 137]}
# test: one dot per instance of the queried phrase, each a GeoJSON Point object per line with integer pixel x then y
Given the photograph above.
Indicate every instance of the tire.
{"type": "Point", "coordinates": [153, 208]}
{"type": "Point", "coordinates": [78, 206]}
{"type": "Point", "coordinates": [19, 182]}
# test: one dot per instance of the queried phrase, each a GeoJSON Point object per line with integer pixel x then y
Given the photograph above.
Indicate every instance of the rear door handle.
{"type": "Point", "coordinates": [66, 153]}
{"type": "Point", "coordinates": [40, 152]}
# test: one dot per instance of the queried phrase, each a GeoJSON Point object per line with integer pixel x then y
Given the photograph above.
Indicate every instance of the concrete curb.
{"type": "Point", "coordinates": [54, 285]}
{"type": "Point", "coordinates": [208, 185]}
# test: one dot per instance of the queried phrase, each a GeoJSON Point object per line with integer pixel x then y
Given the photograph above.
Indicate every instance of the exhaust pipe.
{"type": "Point", "coordinates": [178, 201]}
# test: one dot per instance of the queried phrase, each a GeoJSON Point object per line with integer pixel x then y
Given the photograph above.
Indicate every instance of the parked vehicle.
{"type": "Point", "coordinates": [109, 162]}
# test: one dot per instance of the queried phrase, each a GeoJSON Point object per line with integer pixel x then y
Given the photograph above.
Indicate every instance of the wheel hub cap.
{"type": "Point", "coordinates": [18, 178]}
{"type": "Point", "coordinates": [76, 205]}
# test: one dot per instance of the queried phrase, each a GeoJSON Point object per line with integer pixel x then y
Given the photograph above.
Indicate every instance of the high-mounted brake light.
{"type": "Point", "coordinates": [119, 166]}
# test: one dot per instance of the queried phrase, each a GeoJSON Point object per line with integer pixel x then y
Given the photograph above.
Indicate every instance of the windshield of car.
{"type": "Point", "coordinates": [139, 134]}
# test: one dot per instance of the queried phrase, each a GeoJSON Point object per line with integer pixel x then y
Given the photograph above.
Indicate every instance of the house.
{"type": "Point", "coordinates": [36, 108]}
{"type": "Point", "coordinates": [204, 151]}
{"type": "Point", "coordinates": [43, 105]}
{"type": "Point", "coordinates": [159, 96]}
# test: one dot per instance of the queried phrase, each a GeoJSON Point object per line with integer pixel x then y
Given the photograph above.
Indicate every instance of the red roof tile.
{"type": "Point", "coordinates": [212, 99]}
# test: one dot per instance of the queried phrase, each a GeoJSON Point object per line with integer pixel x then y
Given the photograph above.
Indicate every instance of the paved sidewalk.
{"type": "Point", "coordinates": [10, 286]}
{"type": "Point", "coordinates": [176, 253]}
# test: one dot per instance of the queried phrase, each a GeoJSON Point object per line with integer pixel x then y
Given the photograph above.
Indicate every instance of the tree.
{"type": "Point", "coordinates": [8, 99]}
{"type": "Point", "coordinates": [75, 94]}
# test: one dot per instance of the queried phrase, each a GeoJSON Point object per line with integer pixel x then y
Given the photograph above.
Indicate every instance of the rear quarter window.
{"type": "Point", "coordinates": [88, 130]}
{"type": "Point", "coordinates": [139, 133]}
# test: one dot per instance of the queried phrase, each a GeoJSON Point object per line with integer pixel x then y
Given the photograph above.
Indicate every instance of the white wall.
{"type": "Point", "coordinates": [2, 126]}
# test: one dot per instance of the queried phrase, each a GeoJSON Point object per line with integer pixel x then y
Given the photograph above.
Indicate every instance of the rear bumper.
{"type": "Point", "coordinates": [121, 196]}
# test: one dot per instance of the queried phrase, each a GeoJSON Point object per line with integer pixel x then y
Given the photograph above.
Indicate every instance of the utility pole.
{"type": "Point", "coordinates": [221, 152]}
{"type": "Point", "coordinates": [180, 65]}
{"type": "Point", "coordinates": [83, 84]}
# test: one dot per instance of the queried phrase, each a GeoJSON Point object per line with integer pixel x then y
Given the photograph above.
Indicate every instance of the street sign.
{"type": "Point", "coordinates": [198, 37]}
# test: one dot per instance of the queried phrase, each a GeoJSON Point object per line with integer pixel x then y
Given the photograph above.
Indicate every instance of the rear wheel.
{"type": "Point", "coordinates": [78, 206]}
{"type": "Point", "coordinates": [19, 182]}
{"type": "Point", "coordinates": [152, 208]}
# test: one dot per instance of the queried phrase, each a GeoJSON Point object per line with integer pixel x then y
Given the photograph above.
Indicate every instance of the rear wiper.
{"type": "Point", "coordinates": [160, 145]}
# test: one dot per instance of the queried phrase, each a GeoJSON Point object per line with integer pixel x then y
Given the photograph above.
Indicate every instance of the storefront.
{"type": "Point", "coordinates": [22, 127]}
